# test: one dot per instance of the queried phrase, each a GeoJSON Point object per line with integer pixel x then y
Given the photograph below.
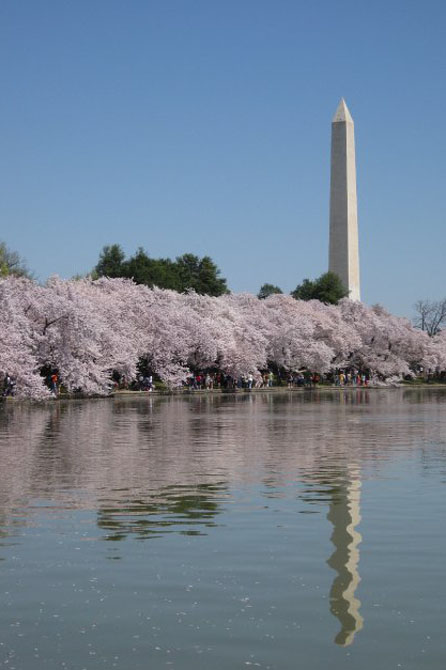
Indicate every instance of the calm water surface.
{"type": "Point", "coordinates": [300, 530]}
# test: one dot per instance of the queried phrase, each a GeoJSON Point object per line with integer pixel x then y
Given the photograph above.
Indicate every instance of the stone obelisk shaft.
{"type": "Point", "coordinates": [344, 253]}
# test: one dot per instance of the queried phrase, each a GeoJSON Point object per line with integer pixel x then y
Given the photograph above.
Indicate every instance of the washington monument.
{"type": "Point", "coordinates": [344, 254]}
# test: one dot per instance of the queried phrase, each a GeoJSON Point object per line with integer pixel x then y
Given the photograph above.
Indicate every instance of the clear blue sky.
{"type": "Point", "coordinates": [203, 126]}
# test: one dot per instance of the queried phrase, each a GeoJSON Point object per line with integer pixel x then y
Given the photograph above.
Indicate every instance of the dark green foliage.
{"type": "Point", "coordinates": [200, 274]}
{"type": "Point", "coordinates": [151, 271]}
{"type": "Point", "coordinates": [268, 289]}
{"type": "Point", "coordinates": [328, 288]}
{"type": "Point", "coordinates": [111, 262]}
{"type": "Point", "coordinates": [186, 272]}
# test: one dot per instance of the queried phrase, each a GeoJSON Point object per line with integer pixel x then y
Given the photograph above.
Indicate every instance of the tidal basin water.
{"type": "Point", "coordinates": [282, 531]}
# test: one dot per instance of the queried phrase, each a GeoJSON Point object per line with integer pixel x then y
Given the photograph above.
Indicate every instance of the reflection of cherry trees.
{"type": "Point", "coordinates": [87, 329]}
{"type": "Point", "coordinates": [143, 461]}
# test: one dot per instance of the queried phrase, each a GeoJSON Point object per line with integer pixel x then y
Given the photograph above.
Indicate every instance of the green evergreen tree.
{"type": "Point", "coordinates": [200, 274]}
{"type": "Point", "coordinates": [267, 290]}
{"type": "Point", "coordinates": [186, 272]}
{"type": "Point", "coordinates": [327, 288]}
{"type": "Point", "coordinates": [111, 262]}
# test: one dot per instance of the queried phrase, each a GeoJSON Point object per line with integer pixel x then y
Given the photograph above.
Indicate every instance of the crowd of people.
{"type": "Point", "coordinates": [298, 379]}
{"type": "Point", "coordinates": [217, 380]}
{"type": "Point", "coordinates": [210, 380]}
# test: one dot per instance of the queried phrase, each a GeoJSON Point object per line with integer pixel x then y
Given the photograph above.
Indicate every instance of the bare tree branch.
{"type": "Point", "coordinates": [430, 315]}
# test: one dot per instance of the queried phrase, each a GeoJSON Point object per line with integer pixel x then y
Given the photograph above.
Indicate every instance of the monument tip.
{"type": "Point", "coordinates": [342, 113]}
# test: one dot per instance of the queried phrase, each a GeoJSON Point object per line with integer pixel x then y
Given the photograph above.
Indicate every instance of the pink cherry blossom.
{"type": "Point", "coordinates": [87, 330]}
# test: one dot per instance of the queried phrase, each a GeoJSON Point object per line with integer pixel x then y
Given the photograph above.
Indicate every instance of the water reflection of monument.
{"type": "Point", "coordinates": [344, 514]}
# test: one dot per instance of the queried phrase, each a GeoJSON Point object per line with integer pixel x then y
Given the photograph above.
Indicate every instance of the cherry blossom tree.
{"type": "Point", "coordinates": [389, 344]}
{"type": "Point", "coordinates": [242, 341]}
{"type": "Point", "coordinates": [166, 323]}
{"type": "Point", "coordinates": [87, 330]}
{"type": "Point", "coordinates": [439, 351]}
{"type": "Point", "coordinates": [17, 350]}
{"type": "Point", "coordinates": [308, 334]}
